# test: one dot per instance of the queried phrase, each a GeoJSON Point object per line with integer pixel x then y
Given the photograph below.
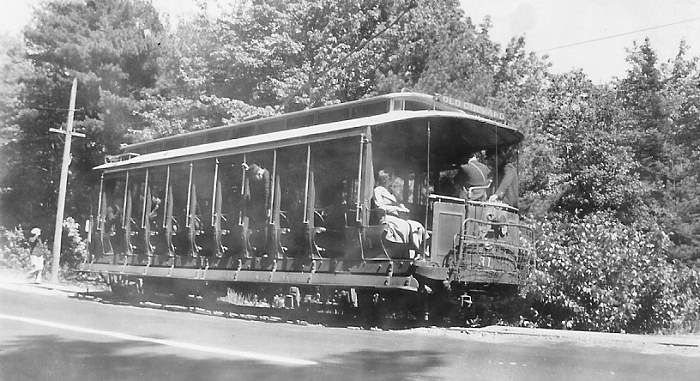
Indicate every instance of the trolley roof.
{"type": "Point", "coordinates": [381, 104]}
{"type": "Point", "coordinates": [483, 133]}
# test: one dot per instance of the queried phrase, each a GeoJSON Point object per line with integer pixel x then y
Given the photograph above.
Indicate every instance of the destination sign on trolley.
{"type": "Point", "coordinates": [470, 107]}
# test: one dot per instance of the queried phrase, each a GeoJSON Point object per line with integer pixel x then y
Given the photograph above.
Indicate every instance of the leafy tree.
{"type": "Point", "coordinates": [603, 177]}
{"type": "Point", "coordinates": [572, 159]}
{"type": "Point", "coordinates": [521, 90]}
{"type": "Point", "coordinates": [111, 47]}
{"type": "Point", "coordinates": [681, 96]}
{"type": "Point", "coordinates": [158, 116]}
{"type": "Point", "coordinates": [13, 65]}
{"type": "Point", "coordinates": [640, 95]}
{"type": "Point", "coordinates": [661, 102]}
{"type": "Point", "coordinates": [286, 56]}
{"type": "Point", "coordinates": [460, 58]}
{"type": "Point", "coordinates": [281, 54]}
{"type": "Point", "coordinates": [298, 54]}
{"type": "Point", "coordinates": [624, 191]}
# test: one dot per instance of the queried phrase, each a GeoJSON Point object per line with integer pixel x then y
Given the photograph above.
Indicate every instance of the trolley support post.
{"type": "Point", "coordinates": [58, 229]}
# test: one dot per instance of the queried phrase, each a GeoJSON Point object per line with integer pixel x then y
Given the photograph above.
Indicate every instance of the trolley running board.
{"type": "Point", "coordinates": [407, 283]}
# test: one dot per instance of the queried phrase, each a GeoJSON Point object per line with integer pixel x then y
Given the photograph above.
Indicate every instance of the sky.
{"type": "Point", "coordinates": [545, 24]}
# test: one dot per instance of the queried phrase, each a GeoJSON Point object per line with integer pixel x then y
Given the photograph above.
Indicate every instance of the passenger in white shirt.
{"type": "Point", "coordinates": [399, 230]}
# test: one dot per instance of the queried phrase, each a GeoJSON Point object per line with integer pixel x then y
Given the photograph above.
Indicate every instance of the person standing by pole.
{"type": "Point", "coordinates": [36, 255]}
{"type": "Point", "coordinates": [63, 182]}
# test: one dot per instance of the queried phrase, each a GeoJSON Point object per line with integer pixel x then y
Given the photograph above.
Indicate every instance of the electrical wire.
{"type": "Point", "coordinates": [618, 35]}
{"type": "Point", "coordinates": [411, 5]}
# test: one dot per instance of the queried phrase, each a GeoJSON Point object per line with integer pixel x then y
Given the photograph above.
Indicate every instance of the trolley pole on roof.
{"type": "Point", "coordinates": [64, 182]}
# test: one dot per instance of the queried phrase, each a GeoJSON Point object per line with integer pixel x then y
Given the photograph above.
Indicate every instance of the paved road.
{"type": "Point", "coordinates": [46, 335]}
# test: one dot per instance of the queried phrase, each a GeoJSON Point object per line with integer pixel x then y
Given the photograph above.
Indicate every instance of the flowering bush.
{"type": "Point", "coordinates": [595, 273]}
{"type": "Point", "coordinates": [73, 248]}
{"type": "Point", "coordinates": [14, 249]}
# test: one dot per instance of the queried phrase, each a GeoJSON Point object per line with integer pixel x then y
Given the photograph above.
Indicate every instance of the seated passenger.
{"type": "Point", "coordinates": [399, 230]}
{"type": "Point", "coordinates": [472, 174]}
{"type": "Point", "coordinates": [505, 186]}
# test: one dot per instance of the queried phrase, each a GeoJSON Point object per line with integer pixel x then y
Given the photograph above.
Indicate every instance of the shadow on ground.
{"type": "Point", "coordinates": [49, 357]}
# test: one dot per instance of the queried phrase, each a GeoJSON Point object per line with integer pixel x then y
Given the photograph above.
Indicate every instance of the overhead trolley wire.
{"type": "Point", "coordinates": [411, 4]}
{"type": "Point", "coordinates": [618, 35]}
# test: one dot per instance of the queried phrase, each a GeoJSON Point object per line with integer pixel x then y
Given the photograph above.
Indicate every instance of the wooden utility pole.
{"type": "Point", "coordinates": [64, 182]}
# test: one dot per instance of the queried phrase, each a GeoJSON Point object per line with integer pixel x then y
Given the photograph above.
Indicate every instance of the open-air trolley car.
{"type": "Point", "coordinates": [185, 213]}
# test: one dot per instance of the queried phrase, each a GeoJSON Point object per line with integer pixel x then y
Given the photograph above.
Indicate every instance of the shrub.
{"type": "Point", "coordinates": [73, 248]}
{"type": "Point", "coordinates": [14, 249]}
{"type": "Point", "coordinates": [595, 273]}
